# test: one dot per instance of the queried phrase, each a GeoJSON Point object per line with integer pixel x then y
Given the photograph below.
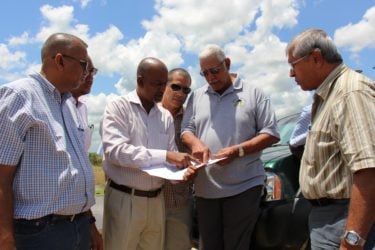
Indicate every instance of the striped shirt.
{"type": "Point", "coordinates": [342, 136]}
{"type": "Point", "coordinates": [133, 138]}
{"type": "Point", "coordinates": [40, 137]}
{"type": "Point", "coordinates": [178, 195]}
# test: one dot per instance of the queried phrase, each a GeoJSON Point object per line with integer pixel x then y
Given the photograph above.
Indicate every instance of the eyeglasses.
{"type": "Point", "coordinates": [176, 87]}
{"type": "Point", "coordinates": [93, 71]}
{"type": "Point", "coordinates": [81, 62]}
{"type": "Point", "coordinates": [214, 71]}
{"type": "Point", "coordinates": [293, 64]}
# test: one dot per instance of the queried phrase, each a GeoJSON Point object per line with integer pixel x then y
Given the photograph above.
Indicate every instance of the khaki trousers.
{"type": "Point", "coordinates": [132, 222]}
{"type": "Point", "coordinates": [178, 228]}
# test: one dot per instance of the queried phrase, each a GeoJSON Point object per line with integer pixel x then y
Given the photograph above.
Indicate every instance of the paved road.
{"type": "Point", "coordinates": [97, 210]}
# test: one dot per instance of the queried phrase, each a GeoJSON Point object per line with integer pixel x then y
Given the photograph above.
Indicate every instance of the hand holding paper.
{"type": "Point", "coordinates": [171, 172]}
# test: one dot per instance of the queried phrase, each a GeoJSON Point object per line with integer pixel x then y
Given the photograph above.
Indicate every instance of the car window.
{"type": "Point", "coordinates": [285, 127]}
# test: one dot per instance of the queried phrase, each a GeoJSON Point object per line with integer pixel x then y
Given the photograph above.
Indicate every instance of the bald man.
{"type": "Point", "coordinates": [46, 180]}
{"type": "Point", "coordinates": [138, 133]}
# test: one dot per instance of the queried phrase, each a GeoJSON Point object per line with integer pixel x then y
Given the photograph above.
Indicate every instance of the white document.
{"type": "Point", "coordinates": [171, 172]}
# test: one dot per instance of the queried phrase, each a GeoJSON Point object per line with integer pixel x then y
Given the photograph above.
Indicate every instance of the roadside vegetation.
{"type": "Point", "coordinates": [97, 165]}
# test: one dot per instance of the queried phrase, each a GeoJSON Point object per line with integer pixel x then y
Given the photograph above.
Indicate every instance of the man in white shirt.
{"type": "Point", "coordinates": [83, 89]}
{"type": "Point", "coordinates": [82, 122]}
{"type": "Point", "coordinates": [138, 133]}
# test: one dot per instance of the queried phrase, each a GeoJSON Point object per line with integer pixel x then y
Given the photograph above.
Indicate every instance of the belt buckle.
{"type": "Point", "coordinates": [72, 218]}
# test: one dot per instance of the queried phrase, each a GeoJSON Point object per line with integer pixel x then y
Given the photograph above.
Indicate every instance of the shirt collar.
{"type": "Point", "coordinates": [323, 90]}
{"type": "Point", "coordinates": [49, 87]}
{"type": "Point", "coordinates": [134, 98]}
{"type": "Point", "coordinates": [236, 85]}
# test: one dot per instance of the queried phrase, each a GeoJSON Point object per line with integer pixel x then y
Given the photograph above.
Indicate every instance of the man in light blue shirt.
{"type": "Point", "coordinates": [298, 137]}
{"type": "Point", "coordinates": [227, 118]}
{"type": "Point", "coordinates": [46, 181]}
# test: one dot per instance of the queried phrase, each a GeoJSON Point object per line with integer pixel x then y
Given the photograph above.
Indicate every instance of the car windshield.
{"type": "Point", "coordinates": [285, 127]}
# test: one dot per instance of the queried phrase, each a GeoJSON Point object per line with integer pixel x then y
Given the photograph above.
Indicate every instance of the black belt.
{"type": "Point", "coordinates": [327, 201]}
{"type": "Point", "coordinates": [53, 218]}
{"type": "Point", "coordinates": [136, 192]}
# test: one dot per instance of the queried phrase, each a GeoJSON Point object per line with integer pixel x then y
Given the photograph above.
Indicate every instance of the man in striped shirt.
{"type": "Point", "coordinates": [177, 196]}
{"type": "Point", "coordinates": [338, 166]}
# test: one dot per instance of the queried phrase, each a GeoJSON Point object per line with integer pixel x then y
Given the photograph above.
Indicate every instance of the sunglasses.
{"type": "Point", "coordinates": [214, 71]}
{"type": "Point", "coordinates": [176, 87]}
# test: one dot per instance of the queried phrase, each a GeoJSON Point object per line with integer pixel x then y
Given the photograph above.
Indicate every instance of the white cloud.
{"type": "Point", "coordinates": [20, 40]}
{"type": "Point", "coordinates": [200, 22]}
{"type": "Point", "coordinates": [245, 29]}
{"type": "Point", "coordinates": [11, 60]}
{"type": "Point", "coordinates": [111, 56]}
{"type": "Point", "coordinates": [60, 19]}
{"type": "Point", "coordinates": [33, 67]}
{"type": "Point", "coordinates": [358, 36]}
{"type": "Point", "coordinates": [84, 3]}
{"type": "Point", "coordinates": [96, 105]}
{"type": "Point", "coordinates": [245, 33]}
{"type": "Point", "coordinates": [276, 13]}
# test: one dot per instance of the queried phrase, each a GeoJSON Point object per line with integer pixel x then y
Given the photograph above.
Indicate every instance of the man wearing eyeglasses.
{"type": "Point", "coordinates": [338, 165]}
{"type": "Point", "coordinates": [84, 88]}
{"type": "Point", "coordinates": [231, 119]}
{"type": "Point", "coordinates": [177, 196]}
{"type": "Point", "coordinates": [46, 180]}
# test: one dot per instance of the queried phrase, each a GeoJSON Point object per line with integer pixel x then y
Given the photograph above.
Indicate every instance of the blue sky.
{"type": "Point", "coordinates": [253, 33]}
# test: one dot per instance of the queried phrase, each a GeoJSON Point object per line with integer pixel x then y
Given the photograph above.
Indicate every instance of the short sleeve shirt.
{"type": "Point", "coordinates": [342, 136]}
{"type": "Point", "coordinates": [239, 114]}
{"type": "Point", "coordinates": [41, 139]}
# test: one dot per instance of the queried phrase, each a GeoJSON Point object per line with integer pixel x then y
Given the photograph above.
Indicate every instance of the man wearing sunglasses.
{"type": "Point", "coordinates": [84, 88]}
{"type": "Point", "coordinates": [46, 180]}
{"type": "Point", "coordinates": [177, 196]}
{"type": "Point", "coordinates": [227, 118]}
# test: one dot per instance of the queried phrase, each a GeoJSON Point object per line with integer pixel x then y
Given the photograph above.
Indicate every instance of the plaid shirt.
{"type": "Point", "coordinates": [178, 195]}
{"type": "Point", "coordinates": [40, 138]}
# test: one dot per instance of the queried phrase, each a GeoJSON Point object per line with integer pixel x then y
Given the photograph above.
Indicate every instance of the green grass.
{"type": "Point", "coordinates": [99, 180]}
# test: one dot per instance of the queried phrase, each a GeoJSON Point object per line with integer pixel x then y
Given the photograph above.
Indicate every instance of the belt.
{"type": "Point", "coordinates": [53, 218]}
{"type": "Point", "coordinates": [136, 192]}
{"type": "Point", "coordinates": [327, 201]}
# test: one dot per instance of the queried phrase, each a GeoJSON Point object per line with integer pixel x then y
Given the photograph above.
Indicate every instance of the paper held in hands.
{"type": "Point", "coordinates": [171, 172]}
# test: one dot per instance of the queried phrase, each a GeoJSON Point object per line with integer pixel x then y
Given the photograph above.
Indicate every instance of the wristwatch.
{"type": "Point", "coordinates": [241, 152]}
{"type": "Point", "coordinates": [352, 238]}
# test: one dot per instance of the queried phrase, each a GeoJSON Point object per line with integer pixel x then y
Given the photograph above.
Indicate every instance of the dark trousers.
{"type": "Point", "coordinates": [47, 234]}
{"type": "Point", "coordinates": [227, 223]}
{"type": "Point", "coordinates": [327, 226]}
